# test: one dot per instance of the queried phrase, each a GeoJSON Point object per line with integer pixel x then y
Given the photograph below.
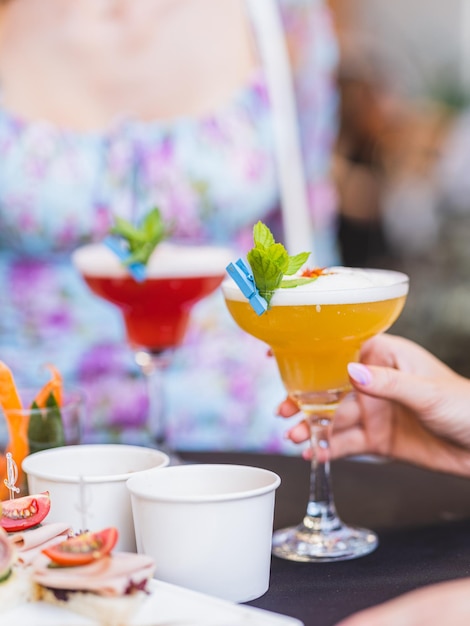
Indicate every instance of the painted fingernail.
{"type": "Point", "coordinates": [359, 373]}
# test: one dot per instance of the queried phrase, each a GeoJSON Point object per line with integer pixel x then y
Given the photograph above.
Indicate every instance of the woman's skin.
{"type": "Point", "coordinates": [434, 605]}
{"type": "Point", "coordinates": [406, 405]}
{"type": "Point", "coordinates": [82, 63]}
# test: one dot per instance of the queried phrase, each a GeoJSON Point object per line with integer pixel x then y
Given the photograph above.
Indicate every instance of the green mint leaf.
{"type": "Point", "coordinates": [153, 226]}
{"type": "Point", "coordinates": [141, 254]}
{"type": "Point", "coordinates": [296, 262]}
{"type": "Point", "coordinates": [296, 282]}
{"type": "Point", "coordinates": [143, 239]}
{"type": "Point", "coordinates": [266, 272]}
{"type": "Point", "coordinates": [278, 254]}
{"type": "Point", "coordinates": [125, 229]}
{"type": "Point", "coordinates": [270, 261]}
{"type": "Point", "coordinates": [262, 236]}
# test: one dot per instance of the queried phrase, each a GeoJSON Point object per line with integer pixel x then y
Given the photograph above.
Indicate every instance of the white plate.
{"type": "Point", "coordinates": [168, 605]}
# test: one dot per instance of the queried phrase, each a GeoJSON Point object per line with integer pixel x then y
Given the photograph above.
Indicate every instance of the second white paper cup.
{"type": "Point", "coordinates": [87, 484]}
{"type": "Point", "coordinates": [208, 527]}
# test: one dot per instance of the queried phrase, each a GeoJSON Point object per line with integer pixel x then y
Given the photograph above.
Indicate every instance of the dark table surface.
{"type": "Point", "coordinates": [422, 519]}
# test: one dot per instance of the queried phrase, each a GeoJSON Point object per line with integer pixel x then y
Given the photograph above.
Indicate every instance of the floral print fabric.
{"type": "Point", "coordinates": [213, 177]}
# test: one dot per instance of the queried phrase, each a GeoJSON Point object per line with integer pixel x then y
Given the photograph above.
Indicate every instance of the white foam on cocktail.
{"type": "Point", "coordinates": [338, 285]}
{"type": "Point", "coordinates": [167, 261]}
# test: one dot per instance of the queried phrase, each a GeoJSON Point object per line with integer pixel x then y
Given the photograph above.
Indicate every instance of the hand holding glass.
{"type": "Point", "coordinates": [314, 331]}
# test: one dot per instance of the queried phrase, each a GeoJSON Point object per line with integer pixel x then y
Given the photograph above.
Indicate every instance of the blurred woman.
{"type": "Point", "coordinates": [110, 107]}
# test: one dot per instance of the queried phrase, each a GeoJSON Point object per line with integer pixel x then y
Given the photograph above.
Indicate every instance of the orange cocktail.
{"type": "Point", "coordinates": [314, 330]}
{"type": "Point", "coordinates": [314, 342]}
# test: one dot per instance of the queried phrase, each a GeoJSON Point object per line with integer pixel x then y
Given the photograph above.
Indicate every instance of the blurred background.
{"type": "Point", "coordinates": [126, 129]}
{"type": "Point", "coordinates": [402, 160]}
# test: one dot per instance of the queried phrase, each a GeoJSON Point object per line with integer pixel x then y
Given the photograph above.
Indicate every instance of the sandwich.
{"type": "Point", "coordinates": [83, 575]}
{"type": "Point", "coordinates": [31, 542]}
{"type": "Point", "coordinates": [15, 585]}
{"type": "Point", "coordinates": [23, 520]}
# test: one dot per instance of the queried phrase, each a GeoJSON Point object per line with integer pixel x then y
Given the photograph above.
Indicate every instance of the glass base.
{"type": "Point", "coordinates": [305, 545]}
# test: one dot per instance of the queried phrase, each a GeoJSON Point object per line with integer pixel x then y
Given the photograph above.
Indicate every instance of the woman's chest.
{"type": "Point", "coordinates": [88, 63]}
{"type": "Point", "coordinates": [210, 177]}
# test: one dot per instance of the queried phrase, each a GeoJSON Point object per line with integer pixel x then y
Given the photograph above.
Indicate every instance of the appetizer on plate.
{"type": "Point", "coordinates": [79, 572]}
{"type": "Point", "coordinates": [15, 587]}
{"type": "Point", "coordinates": [26, 512]}
{"type": "Point", "coordinates": [83, 575]}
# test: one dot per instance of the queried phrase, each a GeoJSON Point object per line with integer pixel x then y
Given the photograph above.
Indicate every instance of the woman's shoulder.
{"type": "Point", "coordinates": [310, 34]}
{"type": "Point", "coordinates": [309, 5]}
{"type": "Point", "coordinates": [302, 8]}
{"type": "Point", "coordinates": [312, 45]}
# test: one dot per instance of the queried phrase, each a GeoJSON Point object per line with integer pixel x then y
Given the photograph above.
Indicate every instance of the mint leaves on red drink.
{"type": "Point", "coordinates": [270, 262]}
{"type": "Point", "coordinates": [142, 239]}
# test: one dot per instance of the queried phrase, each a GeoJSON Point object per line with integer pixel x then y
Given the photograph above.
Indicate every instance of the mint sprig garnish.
{"type": "Point", "coordinates": [143, 239]}
{"type": "Point", "coordinates": [270, 262]}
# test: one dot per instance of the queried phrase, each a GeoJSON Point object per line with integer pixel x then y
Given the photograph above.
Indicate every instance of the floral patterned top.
{"type": "Point", "coordinates": [214, 177]}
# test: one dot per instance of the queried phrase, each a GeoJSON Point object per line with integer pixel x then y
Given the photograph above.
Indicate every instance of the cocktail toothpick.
{"type": "Point", "coordinates": [12, 476]}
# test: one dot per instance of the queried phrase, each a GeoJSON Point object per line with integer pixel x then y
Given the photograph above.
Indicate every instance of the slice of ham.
{"type": "Point", "coordinates": [110, 576]}
{"type": "Point", "coordinates": [29, 543]}
{"type": "Point", "coordinates": [7, 553]}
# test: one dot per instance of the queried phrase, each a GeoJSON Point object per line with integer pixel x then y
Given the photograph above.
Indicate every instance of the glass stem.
{"type": "Point", "coordinates": [153, 366]}
{"type": "Point", "coordinates": [321, 513]}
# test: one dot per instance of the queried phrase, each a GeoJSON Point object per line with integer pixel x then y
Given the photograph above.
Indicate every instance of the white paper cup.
{"type": "Point", "coordinates": [87, 484]}
{"type": "Point", "coordinates": [208, 527]}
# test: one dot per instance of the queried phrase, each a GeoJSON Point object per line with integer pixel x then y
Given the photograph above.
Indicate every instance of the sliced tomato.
{"type": "Point", "coordinates": [83, 548]}
{"type": "Point", "coordinates": [25, 512]}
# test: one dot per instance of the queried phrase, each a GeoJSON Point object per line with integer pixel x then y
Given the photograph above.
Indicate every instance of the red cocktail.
{"type": "Point", "coordinates": [157, 310]}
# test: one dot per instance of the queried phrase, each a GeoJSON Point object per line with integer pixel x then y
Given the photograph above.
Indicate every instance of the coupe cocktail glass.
{"type": "Point", "coordinates": [156, 311]}
{"type": "Point", "coordinates": [314, 331]}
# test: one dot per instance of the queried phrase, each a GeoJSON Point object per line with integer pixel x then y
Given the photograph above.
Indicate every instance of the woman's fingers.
{"type": "Point", "coordinates": [347, 416]}
{"type": "Point", "coordinates": [445, 602]}
{"type": "Point", "coordinates": [414, 392]}
{"type": "Point", "coordinates": [346, 410]}
{"type": "Point", "coordinates": [299, 433]}
{"type": "Point", "coordinates": [350, 442]}
{"type": "Point", "coordinates": [287, 408]}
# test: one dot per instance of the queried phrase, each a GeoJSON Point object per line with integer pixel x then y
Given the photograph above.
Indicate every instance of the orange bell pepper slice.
{"type": "Point", "coordinates": [17, 425]}
{"type": "Point", "coordinates": [9, 397]}
{"type": "Point", "coordinates": [53, 386]}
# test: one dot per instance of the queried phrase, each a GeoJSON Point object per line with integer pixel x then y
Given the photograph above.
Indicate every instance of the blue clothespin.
{"type": "Point", "coordinates": [241, 274]}
{"type": "Point", "coordinates": [137, 270]}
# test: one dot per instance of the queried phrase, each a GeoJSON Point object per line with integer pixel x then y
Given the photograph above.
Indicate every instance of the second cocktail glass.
{"type": "Point", "coordinates": [156, 311]}
{"type": "Point", "coordinates": [314, 331]}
